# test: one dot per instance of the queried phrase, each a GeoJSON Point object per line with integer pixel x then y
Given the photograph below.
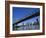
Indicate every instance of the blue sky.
{"type": "Point", "coordinates": [20, 12]}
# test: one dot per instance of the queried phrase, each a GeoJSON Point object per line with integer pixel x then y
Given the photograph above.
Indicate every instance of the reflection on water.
{"type": "Point", "coordinates": [27, 27]}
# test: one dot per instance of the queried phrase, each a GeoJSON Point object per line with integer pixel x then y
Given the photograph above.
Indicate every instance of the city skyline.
{"type": "Point", "coordinates": [30, 20]}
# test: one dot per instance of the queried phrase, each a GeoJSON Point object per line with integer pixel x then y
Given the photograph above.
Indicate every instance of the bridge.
{"type": "Point", "coordinates": [28, 17]}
